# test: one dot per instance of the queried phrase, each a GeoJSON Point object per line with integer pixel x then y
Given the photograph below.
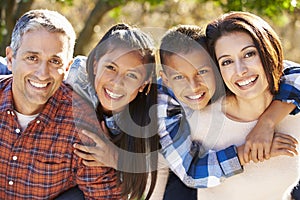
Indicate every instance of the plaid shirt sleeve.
{"type": "Point", "coordinates": [289, 89]}
{"type": "Point", "coordinates": [78, 79]}
{"type": "Point", "coordinates": [3, 66]}
{"type": "Point", "coordinates": [183, 155]}
{"type": "Point", "coordinates": [95, 182]}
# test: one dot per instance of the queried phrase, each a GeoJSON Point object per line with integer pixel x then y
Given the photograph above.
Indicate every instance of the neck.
{"type": "Point", "coordinates": [245, 110]}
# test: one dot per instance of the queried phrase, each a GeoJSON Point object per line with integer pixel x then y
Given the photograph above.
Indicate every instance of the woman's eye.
{"type": "Point", "coordinates": [132, 75]}
{"type": "Point", "coordinates": [226, 62]}
{"type": "Point", "coordinates": [250, 54]}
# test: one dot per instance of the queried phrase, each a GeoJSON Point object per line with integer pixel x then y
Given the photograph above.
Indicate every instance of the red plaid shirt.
{"type": "Point", "coordinates": [38, 162]}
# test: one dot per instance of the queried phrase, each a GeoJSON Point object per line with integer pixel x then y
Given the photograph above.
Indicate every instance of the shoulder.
{"type": "Point", "coordinates": [5, 80]}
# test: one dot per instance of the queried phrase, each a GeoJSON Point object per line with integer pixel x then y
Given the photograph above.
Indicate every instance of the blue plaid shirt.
{"type": "Point", "coordinates": [3, 66]}
{"type": "Point", "coordinates": [289, 89]}
{"type": "Point", "coordinates": [185, 157]}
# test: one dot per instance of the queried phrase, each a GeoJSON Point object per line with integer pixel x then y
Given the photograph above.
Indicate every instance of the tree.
{"type": "Point", "coordinates": [11, 10]}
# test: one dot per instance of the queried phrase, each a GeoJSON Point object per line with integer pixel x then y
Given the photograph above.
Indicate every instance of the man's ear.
{"type": "Point", "coordinates": [164, 78]}
{"type": "Point", "coordinates": [9, 57]}
{"type": "Point", "coordinates": [69, 65]}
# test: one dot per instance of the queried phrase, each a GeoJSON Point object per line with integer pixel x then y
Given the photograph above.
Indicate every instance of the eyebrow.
{"type": "Point", "coordinates": [246, 47]}
{"type": "Point", "coordinates": [37, 53]}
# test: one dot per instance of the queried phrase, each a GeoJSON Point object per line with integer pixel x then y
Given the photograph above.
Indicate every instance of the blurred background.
{"type": "Point", "coordinates": [91, 18]}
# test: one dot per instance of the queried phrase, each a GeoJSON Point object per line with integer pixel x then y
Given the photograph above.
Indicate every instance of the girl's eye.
{"type": "Point", "coordinates": [250, 54]}
{"type": "Point", "coordinates": [132, 75]}
{"type": "Point", "coordinates": [178, 77]}
{"type": "Point", "coordinates": [226, 62]}
{"type": "Point", "coordinates": [110, 67]}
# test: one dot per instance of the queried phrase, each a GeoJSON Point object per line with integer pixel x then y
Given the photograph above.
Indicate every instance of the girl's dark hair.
{"type": "Point", "coordinates": [138, 121]}
{"type": "Point", "coordinates": [186, 39]}
{"type": "Point", "coordinates": [264, 37]}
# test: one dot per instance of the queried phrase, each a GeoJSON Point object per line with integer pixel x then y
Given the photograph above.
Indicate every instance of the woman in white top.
{"type": "Point", "coordinates": [250, 59]}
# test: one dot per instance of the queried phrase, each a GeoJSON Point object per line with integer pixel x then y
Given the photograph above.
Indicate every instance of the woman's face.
{"type": "Point", "coordinates": [240, 65]}
{"type": "Point", "coordinates": [119, 75]}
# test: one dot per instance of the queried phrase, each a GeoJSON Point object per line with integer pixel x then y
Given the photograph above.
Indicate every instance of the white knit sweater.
{"type": "Point", "coordinates": [270, 180]}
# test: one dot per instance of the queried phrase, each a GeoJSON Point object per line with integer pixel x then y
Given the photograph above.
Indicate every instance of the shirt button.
{"type": "Point", "coordinates": [10, 182]}
{"type": "Point", "coordinates": [18, 130]}
{"type": "Point", "coordinates": [38, 121]}
{"type": "Point", "coordinates": [15, 157]}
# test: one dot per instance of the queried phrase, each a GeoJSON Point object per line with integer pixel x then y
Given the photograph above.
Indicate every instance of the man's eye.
{"type": "Point", "coordinates": [31, 58]}
{"type": "Point", "coordinates": [55, 62]}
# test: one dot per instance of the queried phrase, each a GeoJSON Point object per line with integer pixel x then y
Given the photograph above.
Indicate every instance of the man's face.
{"type": "Point", "coordinates": [38, 69]}
{"type": "Point", "coordinates": [191, 78]}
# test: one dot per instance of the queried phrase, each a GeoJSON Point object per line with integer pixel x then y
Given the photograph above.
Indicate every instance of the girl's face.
{"type": "Point", "coordinates": [240, 65]}
{"type": "Point", "coordinates": [119, 76]}
{"type": "Point", "coordinates": [191, 78]}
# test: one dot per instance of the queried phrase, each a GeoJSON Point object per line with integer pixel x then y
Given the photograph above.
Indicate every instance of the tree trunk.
{"type": "Point", "coordinates": [10, 12]}
{"type": "Point", "coordinates": [100, 9]}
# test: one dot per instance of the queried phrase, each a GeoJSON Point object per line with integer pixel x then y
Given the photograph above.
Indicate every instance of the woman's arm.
{"type": "Point", "coordinates": [287, 101]}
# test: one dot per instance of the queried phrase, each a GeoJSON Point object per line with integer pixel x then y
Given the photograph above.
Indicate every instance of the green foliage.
{"type": "Point", "coordinates": [151, 2]}
{"type": "Point", "coordinates": [66, 2]}
{"type": "Point", "coordinates": [270, 8]}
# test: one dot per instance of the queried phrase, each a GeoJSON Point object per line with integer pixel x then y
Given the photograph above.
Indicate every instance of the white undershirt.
{"type": "Point", "coordinates": [25, 119]}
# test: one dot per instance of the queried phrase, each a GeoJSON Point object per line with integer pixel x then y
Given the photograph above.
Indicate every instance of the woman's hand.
{"type": "Point", "coordinates": [283, 145]}
{"type": "Point", "coordinates": [103, 154]}
{"type": "Point", "coordinates": [258, 142]}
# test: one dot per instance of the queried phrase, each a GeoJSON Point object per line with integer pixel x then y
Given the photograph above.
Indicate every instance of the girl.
{"type": "Point", "coordinates": [118, 80]}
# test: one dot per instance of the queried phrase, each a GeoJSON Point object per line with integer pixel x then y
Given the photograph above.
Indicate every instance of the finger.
{"type": "Point", "coordinates": [282, 140]}
{"type": "Point", "coordinates": [285, 146]}
{"type": "Point", "coordinates": [105, 129]}
{"type": "Point", "coordinates": [247, 150]}
{"type": "Point", "coordinates": [260, 153]}
{"type": "Point", "coordinates": [284, 152]}
{"type": "Point", "coordinates": [84, 156]}
{"type": "Point", "coordinates": [93, 163]}
{"type": "Point", "coordinates": [267, 150]}
{"type": "Point", "coordinates": [94, 137]}
{"type": "Point", "coordinates": [83, 148]}
{"type": "Point", "coordinates": [254, 153]}
{"type": "Point", "coordinates": [287, 137]}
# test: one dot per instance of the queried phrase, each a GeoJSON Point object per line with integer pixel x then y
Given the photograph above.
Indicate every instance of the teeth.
{"type": "Point", "coordinates": [38, 85]}
{"type": "Point", "coordinates": [246, 82]}
{"type": "Point", "coordinates": [113, 95]}
{"type": "Point", "coordinates": [196, 96]}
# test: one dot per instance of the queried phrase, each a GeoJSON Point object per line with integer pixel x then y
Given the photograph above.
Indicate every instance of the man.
{"type": "Point", "coordinates": [41, 117]}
